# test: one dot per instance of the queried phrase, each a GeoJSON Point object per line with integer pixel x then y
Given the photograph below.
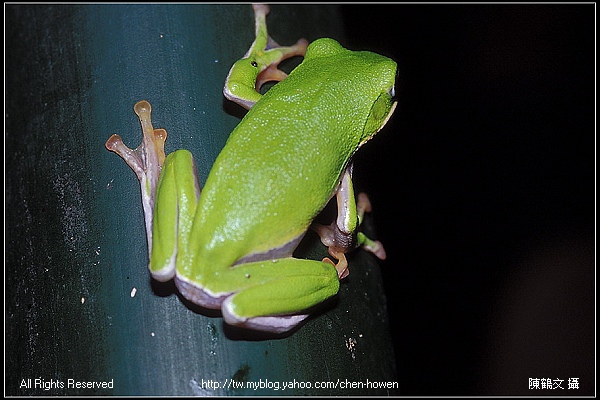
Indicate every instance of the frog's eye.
{"type": "Point", "coordinates": [254, 64]}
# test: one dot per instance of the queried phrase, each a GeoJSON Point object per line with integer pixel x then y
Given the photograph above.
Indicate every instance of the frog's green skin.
{"type": "Point", "coordinates": [231, 247]}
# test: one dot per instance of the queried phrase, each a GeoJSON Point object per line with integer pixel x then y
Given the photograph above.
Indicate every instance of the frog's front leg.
{"type": "Point", "coordinates": [259, 64]}
{"type": "Point", "coordinates": [146, 160]}
{"type": "Point", "coordinates": [341, 236]}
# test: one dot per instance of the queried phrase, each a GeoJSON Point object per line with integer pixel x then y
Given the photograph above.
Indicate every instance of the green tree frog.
{"type": "Point", "coordinates": [229, 246]}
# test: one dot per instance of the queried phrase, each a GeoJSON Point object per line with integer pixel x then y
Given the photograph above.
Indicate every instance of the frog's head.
{"type": "Point", "coordinates": [368, 81]}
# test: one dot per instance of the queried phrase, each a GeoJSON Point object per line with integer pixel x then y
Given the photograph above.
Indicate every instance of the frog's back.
{"type": "Point", "coordinates": [283, 161]}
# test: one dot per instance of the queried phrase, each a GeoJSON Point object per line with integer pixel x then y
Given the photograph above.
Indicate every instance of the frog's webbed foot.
{"type": "Point", "coordinates": [342, 235]}
{"type": "Point", "coordinates": [260, 63]}
{"type": "Point", "coordinates": [146, 160]}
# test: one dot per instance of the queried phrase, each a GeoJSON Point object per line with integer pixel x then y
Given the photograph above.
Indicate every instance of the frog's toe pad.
{"type": "Point", "coordinates": [273, 324]}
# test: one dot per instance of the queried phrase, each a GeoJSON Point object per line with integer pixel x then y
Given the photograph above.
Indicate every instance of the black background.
{"type": "Point", "coordinates": [484, 193]}
{"type": "Point", "coordinates": [483, 187]}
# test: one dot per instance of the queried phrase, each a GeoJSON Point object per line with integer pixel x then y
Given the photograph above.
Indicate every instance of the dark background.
{"type": "Point", "coordinates": [483, 186]}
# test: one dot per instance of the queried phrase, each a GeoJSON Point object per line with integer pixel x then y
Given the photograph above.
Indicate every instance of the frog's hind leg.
{"type": "Point", "coordinates": [271, 53]}
{"type": "Point", "coordinates": [176, 201]}
{"type": "Point", "coordinates": [280, 295]}
{"type": "Point", "coordinates": [260, 63]}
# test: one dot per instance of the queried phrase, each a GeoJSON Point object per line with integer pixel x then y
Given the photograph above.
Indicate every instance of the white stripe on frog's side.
{"type": "Point", "coordinates": [273, 254]}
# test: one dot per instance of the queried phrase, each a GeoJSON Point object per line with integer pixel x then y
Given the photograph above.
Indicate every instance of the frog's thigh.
{"type": "Point", "coordinates": [175, 203]}
{"type": "Point", "coordinates": [273, 304]}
